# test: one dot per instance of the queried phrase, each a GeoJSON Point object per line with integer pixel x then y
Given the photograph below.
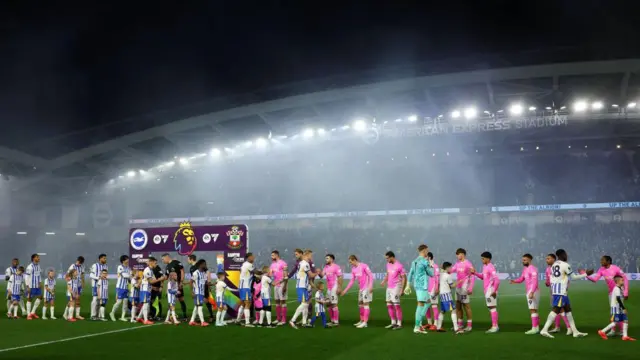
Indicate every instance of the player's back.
{"type": "Point", "coordinates": [560, 272]}
{"type": "Point", "coordinates": [220, 288]}
{"type": "Point", "coordinates": [302, 276]}
{"type": "Point", "coordinates": [446, 280]}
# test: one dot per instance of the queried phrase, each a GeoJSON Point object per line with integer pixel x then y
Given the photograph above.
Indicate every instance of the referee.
{"type": "Point", "coordinates": [176, 266]}
{"type": "Point", "coordinates": [156, 293]}
{"type": "Point", "coordinates": [192, 259]}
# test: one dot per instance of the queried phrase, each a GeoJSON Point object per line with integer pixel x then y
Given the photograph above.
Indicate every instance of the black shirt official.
{"type": "Point", "coordinates": [156, 292]}
{"type": "Point", "coordinates": [176, 266]}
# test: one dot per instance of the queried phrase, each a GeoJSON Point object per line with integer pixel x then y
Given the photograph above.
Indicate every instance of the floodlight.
{"type": "Point", "coordinates": [321, 132]}
{"type": "Point", "coordinates": [470, 113]}
{"type": "Point", "coordinates": [131, 173]}
{"type": "Point", "coordinates": [532, 108]}
{"type": "Point", "coordinates": [359, 125]}
{"type": "Point", "coordinates": [580, 106]}
{"type": "Point", "coordinates": [184, 161]}
{"type": "Point", "coordinates": [413, 118]}
{"type": "Point", "coordinates": [597, 105]}
{"type": "Point", "coordinates": [261, 143]}
{"type": "Point", "coordinates": [308, 133]}
{"type": "Point", "coordinates": [631, 105]}
{"type": "Point", "coordinates": [215, 152]}
{"type": "Point", "coordinates": [455, 114]}
{"type": "Point", "coordinates": [21, 233]}
{"type": "Point", "coordinates": [515, 109]}
{"type": "Point", "coordinates": [141, 172]}
{"type": "Point", "coordinates": [171, 163]}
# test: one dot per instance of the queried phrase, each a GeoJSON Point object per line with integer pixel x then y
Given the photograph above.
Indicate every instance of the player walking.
{"type": "Point", "coordinates": [609, 271]}
{"type": "Point", "coordinates": [491, 283]}
{"type": "Point", "coordinates": [560, 273]}
{"type": "Point", "coordinates": [246, 279]}
{"type": "Point", "coordinates": [96, 270]}
{"type": "Point", "coordinates": [419, 274]}
{"type": "Point", "coordinates": [122, 289]}
{"type": "Point", "coordinates": [333, 273]}
{"type": "Point", "coordinates": [434, 283]}
{"type": "Point", "coordinates": [78, 266]}
{"type": "Point", "coordinates": [396, 280]}
{"type": "Point", "coordinates": [33, 277]}
{"type": "Point", "coordinates": [303, 277]}
{"type": "Point", "coordinates": [529, 276]}
{"type": "Point", "coordinates": [618, 310]}
{"type": "Point", "coordinates": [464, 287]}
{"type": "Point", "coordinates": [551, 259]}
{"type": "Point", "coordinates": [361, 272]}
{"type": "Point", "coordinates": [198, 283]}
{"type": "Point", "coordinates": [278, 271]}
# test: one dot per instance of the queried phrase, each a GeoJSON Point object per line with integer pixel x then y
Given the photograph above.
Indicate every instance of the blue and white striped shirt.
{"type": "Point", "coordinates": [199, 279]}
{"type": "Point", "coordinates": [124, 274]}
{"type": "Point", "coordinates": [72, 287]}
{"type": "Point", "coordinates": [103, 286]}
{"type": "Point", "coordinates": [16, 284]}
{"type": "Point", "coordinates": [79, 268]}
{"type": "Point", "coordinates": [96, 270]}
{"type": "Point", "coordinates": [7, 273]}
{"type": "Point", "coordinates": [34, 276]}
{"type": "Point", "coordinates": [50, 289]}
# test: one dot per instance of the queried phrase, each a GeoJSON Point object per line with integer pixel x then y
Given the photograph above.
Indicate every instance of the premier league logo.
{"type": "Point", "coordinates": [138, 239]}
{"type": "Point", "coordinates": [184, 239]}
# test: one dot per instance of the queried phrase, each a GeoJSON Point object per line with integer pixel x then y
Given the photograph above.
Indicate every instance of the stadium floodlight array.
{"type": "Point", "coordinates": [361, 125]}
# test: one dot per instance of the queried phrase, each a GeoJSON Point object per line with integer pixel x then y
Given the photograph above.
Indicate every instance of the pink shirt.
{"type": "Point", "coordinates": [394, 275]}
{"type": "Point", "coordinates": [463, 273]}
{"type": "Point", "coordinates": [434, 281]}
{"type": "Point", "coordinates": [490, 279]}
{"type": "Point", "coordinates": [278, 270]}
{"type": "Point", "coordinates": [364, 276]}
{"type": "Point", "coordinates": [547, 276]}
{"type": "Point", "coordinates": [530, 277]}
{"type": "Point", "coordinates": [257, 300]}
{"type": "Point", "coordinates": [608, 274]}
{"type": "Point", "coordinates": [332, 273]}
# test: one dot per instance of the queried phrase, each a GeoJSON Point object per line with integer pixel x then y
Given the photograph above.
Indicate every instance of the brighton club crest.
{"type": "Point", "coordinates": [235, 238]}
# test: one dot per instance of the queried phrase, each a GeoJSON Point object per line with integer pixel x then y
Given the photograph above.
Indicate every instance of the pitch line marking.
{"type": "Point", "coordinates": [75, 338]}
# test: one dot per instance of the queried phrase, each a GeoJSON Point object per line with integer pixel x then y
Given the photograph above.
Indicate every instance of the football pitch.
{"type": "Point", "coordinates": [58, 339]}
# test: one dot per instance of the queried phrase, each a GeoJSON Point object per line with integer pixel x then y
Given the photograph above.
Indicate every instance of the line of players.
{"type": "Point", "coordinates": [432, 285]}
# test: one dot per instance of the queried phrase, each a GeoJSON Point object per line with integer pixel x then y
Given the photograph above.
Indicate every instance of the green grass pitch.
{"type": "Point", "coordinates": [62, 340]}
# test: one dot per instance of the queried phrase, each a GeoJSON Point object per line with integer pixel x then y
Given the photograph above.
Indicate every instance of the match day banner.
{"type": "Point", "coordinates": [185, 239]}
{"type": "Point", "coordinates": [501, 276]}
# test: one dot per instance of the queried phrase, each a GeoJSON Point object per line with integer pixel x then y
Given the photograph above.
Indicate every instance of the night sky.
{"type": "Point", "coordinates": [68, 69]}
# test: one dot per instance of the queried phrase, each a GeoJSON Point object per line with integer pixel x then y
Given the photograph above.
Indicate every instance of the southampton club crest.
{"type": "Point", "coordinates": [235, 238]}
{"type": "Point", "coordinates": [184, 239]}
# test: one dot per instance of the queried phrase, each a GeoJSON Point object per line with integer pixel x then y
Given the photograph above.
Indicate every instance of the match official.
{"type": "Point", "coordinates": [176, 266]}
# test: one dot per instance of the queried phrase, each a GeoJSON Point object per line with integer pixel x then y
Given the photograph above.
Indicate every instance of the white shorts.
{"type": "Point", "coordinates": [491, 301]}
{"type": "Point", "coordinates": [462, 296]}
{"type": "Point", "coordinates": [393, 295]}
{"type": "Point", "coordinates": [364, 296]}
{"type": "Point", "coordinates": [533, 302]}
{"type": "Point", "coordinates": [433, 297]}
{"type": "Point", "coordinates": [333, 295]}
{"type": "Point", "coordinates": [280, 293]}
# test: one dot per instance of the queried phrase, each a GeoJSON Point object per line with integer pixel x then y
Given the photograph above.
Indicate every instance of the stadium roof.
{"type": "Point", "coordinates": [99, 156]}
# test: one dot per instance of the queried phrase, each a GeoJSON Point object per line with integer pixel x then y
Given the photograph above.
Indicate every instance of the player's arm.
{"type": "Point", "coordinates": [181, 274]}
{"type": "Point", "coordinates": [595, 277]}
{"type": "Point", "coordinates": [340, 281]}
{"type": "Point", "coordinates": [519, 280]}
{"type": "Point", "coordinates": [626, 283]}
{"type": "Point", "coordinates": [27, 277]}
{"type": "Point", "coordinates": [7, 274]}
{"type": "Point", "coordinates": [495, 282]}
{"type": "Point", "coordinates": [436, 274]}
{"type": "Point", "coordinates": [575, 276]}
{"type": "Point", "coordinates": [370, 278]}
{"type": "Point", "coordinates": [384, 280]}
{"type": "Point", "coordinates": [470, 284]}
{"type": "Point", "coordinates": [10, 287]}
{"type": "Point", "coordinates": [350, 284]}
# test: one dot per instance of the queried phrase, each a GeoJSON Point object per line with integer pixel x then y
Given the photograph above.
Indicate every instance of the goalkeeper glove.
{"type": "Point", "coordinates": [407, 290]}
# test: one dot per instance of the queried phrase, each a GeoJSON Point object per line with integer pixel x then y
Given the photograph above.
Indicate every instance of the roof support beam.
{"type": "Point", "coordinates": [624, 85]}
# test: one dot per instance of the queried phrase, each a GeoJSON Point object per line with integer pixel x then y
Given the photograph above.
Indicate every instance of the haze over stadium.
{"type": "Point", "coordinates": [506, 151]}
